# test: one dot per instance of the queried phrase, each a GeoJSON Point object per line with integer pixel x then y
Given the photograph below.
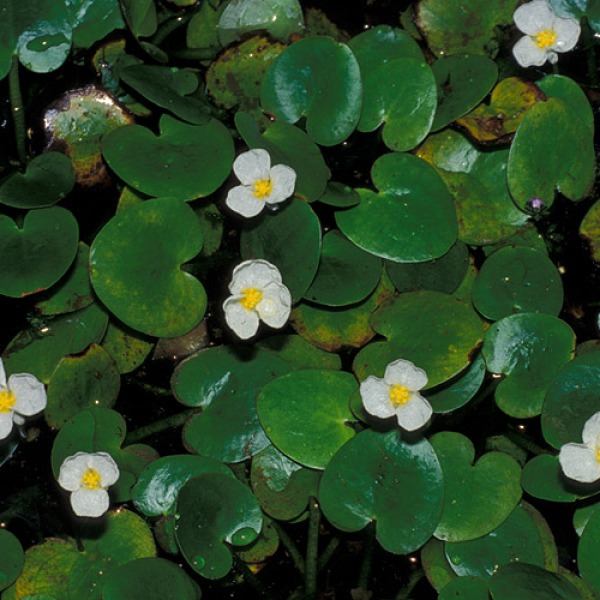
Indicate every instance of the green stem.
{"type": "Point", "coordinates": [312, 550]}
{"type": "Point", "coordinates": [148, 387]}
{"type": "Point", "coordinates": [168, 27]}
{"type": "Point", "coordinates": [365, 568]}
{"type": "Point", "coordinates": [251, 579]}
{"type": "Point", "coordinates": [18, 113]}
{"type": "Point", "coordinates": [413, 580]}
{"type": "Point", "coordinates": [158, 426]}
{"type": "Point", "coordinates": [327, 553]}
{"type": "Point", "coordinates": [291, 547]}
{"type": "Point", "coordinates": [524, 442]}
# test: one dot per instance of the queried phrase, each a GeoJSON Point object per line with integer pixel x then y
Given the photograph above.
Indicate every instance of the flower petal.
{"type": "Point", "coordinates": [579, 462]}
{"type": "Point", "coordinates": [255, 273]}
{"type": "Point", "coordinates": [567, 33]}
{"type": "Point", "coordinates": [284, 182]}
{"type": "Point", "coordinates": [244, 323]}
{"type": "Point", "coordinates": [275, 307]}
{"type": "Point", "coordinates": [106, 466]}
{"type": "Point", "coordinates": [2, 376]}
{"type": "Point", "coordinates": [528, 54]}
{"type": "Point", "coordinates": [533, 17]}
{"type": "Point", "coordinates": [90, 503]}
{"type": "Point", "coordinates": [403, 372]}
{"type": "Point", "coordinates": [30, 394]}
{"type": "Point", "coordinates": [242, 200]}
{"type": "Point", "coordinates": [6, 424]}
{"type": "Point", "coordinates": [591, 431]}
{"type": "Point", "coordinates": [252, 165]}
{"type": "Point", "coordinates": [414, 414]}
{"type": "Point", "coordinates": [72, 470]}
{"type": "Point", "coordinates": [375, 394]}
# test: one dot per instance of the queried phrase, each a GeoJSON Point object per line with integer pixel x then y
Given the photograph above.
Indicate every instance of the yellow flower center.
{"type": "Point", "coordinates": [7, 401]}
{"type": "Point", "coordinates": [252, 296]}
{"type": "Point", "coordinates": [262, 188]}
{"type": "Point", "coordinates": [545, 38]}
{"type": "Point", "coordinates": [91, 479]}
{"type": "Point", "coordinates": [399, 395]}
{"type": "Point", "coordinates": [598, 454]}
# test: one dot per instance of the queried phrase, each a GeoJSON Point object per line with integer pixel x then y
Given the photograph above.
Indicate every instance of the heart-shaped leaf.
{"type": "Point", "coordinates": [35, 256]}
{"type": "Point", "coordinates": [12, 558]}
{"type": "Point", "coordinates": [543, 478]}
{"type": "Point", "coordinates": [184, 161]}
{"type": "Point", "coordinates": [138, 253]}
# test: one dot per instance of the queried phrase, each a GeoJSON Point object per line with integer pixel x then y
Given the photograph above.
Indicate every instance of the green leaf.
{"type": "Point", "coordinates": [226, 512]}
{"type": "Point", "coordinates": [587, 551]}
{"type": "Point", "coordinates": [411, 219]}
{"type": "Point", "coordinates": [149, 579]}
{"type": "Point", "coordinates": [168, 164]}
{"type": "Point", "coordinates": [517, 280]}
{"type": "Point", "coordinates": [128, 348]}
{"type": "Point", "coordinates": [12, 558]}
{"type": "Point", "coordinates": [435, 564]}
{"type": "Point", "coordinates": [339, 195]}
{"type": "Point", "coordinates": [82, 381]}
{"type": "Point", "coordinates": [299, 354]}
{"type": "Point", "coordinates": [290, 146]}
{"type": "Point", "coordinates": [381, 478]}
{"type": "Point", "coordinates": [465, 588]}
{"type": "Point", "coordinates": [94, 20]}
{"type": "Point", "coordinates": [140, 16]}
{"type": "Point", "coordinates": [48, 178]}
{"type": "Point", "coordinates": [289, 238]}
{"type": "Point", "coordinates": [158, 485]}
{"type": "Point", "coordinates": [39, 350]}
{"type": "Point", "coordinates": [35, 256]}
{"type": "Point", "coordinates": [528, 348]}
{"type": "Point", "coordinates": [225, 383]}
{"type": "Point", "coordinates": [138, 254]}
{"type": "Point", "coordinates": [543, 478]}
{"type": "Point", "coordinates": [319, 79]}
{"type": "Point", "coordinates": [79, 568]}
{"type": "Point", "coordinates": [590, 229]}
{"type": "Point", "coordinates": [435, 331]}
{"type": "Point", "coordinates": [477, 497]}
{"type": "Point", "coordinates": [306, 414]}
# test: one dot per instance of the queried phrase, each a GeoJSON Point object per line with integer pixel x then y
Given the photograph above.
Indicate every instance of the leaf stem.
{"type": "Point", "coordinates": [312, 550]}
{"type": "Point", "coordinates": [18, 113]}
{"type": "Point", "coordinates": [168, 27]}
{"type": "Point", "coordinates": [159, 426]}
{"type": "Point", "coordinates": [328, 553]}
{"type": "Point", "coordinates": [413, 580]}
{"type": "Point", "coordinates": [365, 568]}
{"type": "Point", "coordinates": [291, 547]}
{"type": "Point", "coordinates": [524, 442]}
{"type": "Point", "coordinates": [251, 579]}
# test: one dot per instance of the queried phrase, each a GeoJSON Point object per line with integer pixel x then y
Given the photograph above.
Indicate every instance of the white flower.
{"type": "Point", "coordinates": [22, 396]}
{"type": "Point", "coordinates": [261, 183]}
{"type": "Point", "coordinates": [397, 394]}
{"type": "Point", "coordinates": [87, 476]}
{"type": "Point", "coordinates": [581, 462]}
{"type": "Point", "coordinates": [258, 294]}
{"type": "Point", "coordinates": [547, 34]}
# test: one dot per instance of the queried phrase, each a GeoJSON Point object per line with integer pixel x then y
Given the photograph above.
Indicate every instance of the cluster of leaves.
{"type": "Point", "coordinates": [438, 258]}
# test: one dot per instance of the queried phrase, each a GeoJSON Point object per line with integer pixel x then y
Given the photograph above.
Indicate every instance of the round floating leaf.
{"type": "Point", "coordinates": [290, 146]}
{"type": "Point", "coordinates": [138, 254]}
{"type": "Point", "coordinates": [509, 102]}
{"type": "Point", "coordinates": [128, 348]}
{"type": "Point", "coordinates": [184, 161]}
{"type": "Point", "coordinates": [48, 178]}
{"type": "Point", "coordinates": [543, 478]}
{"type": "Point", "coordinates": [520, 581]}
{"type": "Point", "coordinates": [102, 430]}
{"type": "Point", "coordinates": [477, 497]}
{"type": "Point", "coordinates": [463, 80]}
{"type": "Point", "coordinates": [94, 21]}
{"type": "Point", "coordinates": [582, 516]}
{"type": "Point", "coordinates": [590, 229]}
{"type": "Point", "coordinates": [150, 579]}
{"type": "Point", "coordinates": [76, 123]}
{"type": "Point", "coordinates": [435, 564]}
{"type": "Point", "coordinates": [535, 169]}
{"type": "Point", "coordinates": [572, 398]}
{"type": "Point", "coordinates": [168, 88]}
{"type": "Point", "coordinates": [38, 254]}
{"type": "Point", "coordinates": [334, 328]}
{"type": "Point", "coordinates": [528, 348]}
{"type": "Point", "coordinates": [74, 291]}
{"type": "Point", "coordinates": [225, 382]}
{"type": "Point", "coordinates": [346, 274]}
{"type": "Point", "coordinates": [12, 558]}
{"type": "Point", "coordinates": [465, 588]}
{"type": "Point", "coordinates": [282, 486]}
{"type": "Point", "coordinates": [306, 414]}
{"type": "Point", "coordinates": [82, 381]}
{"type": "Point", "coordinates": [523, 537]}
{"type": "Point", "coordinates": [339, 195]}
{"type": "Point", "coordinates": [411, 219]}
{"type": "Point", "coordinates": [463, 26]}
{"type": "Point", "coordinates": [299, 354]}
{"type": "Point", "coordinates": [159, 483]}
{"type": "Point", "coordinates": [39, 350]}
{"type": "Point", "coordinates": [226, 511]}
{"type": "Point", "coordinates": [442, 274]}
{"type": "Point", "coordinates": [289, 238]}
{"type": "Point", "coordinates": [319, 79]}
{"type": "Point", "coordinates": [80, 568]}
{"type": "Point", "coordinates": [379, 477]}
{"type": "Point", "coordinates": [263, 547]}
{"type": "Point", "coordinates": [435, 331]}
{"type": "Point", "coordinates": [517, 280]}
{"type": "Point", "coordinates": [587, 552]}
